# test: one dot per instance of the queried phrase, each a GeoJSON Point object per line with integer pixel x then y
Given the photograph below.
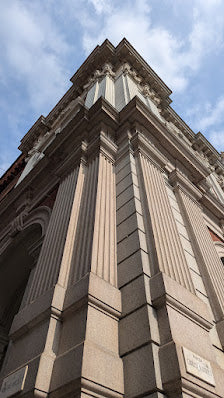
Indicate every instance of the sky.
{"type": "Point", "coordinates": [42, 44]}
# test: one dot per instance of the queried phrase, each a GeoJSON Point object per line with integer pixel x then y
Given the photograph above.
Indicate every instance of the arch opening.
{"type": "Point", "coordinates": [16, 266]}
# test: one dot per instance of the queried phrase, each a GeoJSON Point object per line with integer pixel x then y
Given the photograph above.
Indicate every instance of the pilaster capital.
{"type": "Point", "coordinates": [102, 144]}
{"type": "Point", "coordinates": [141, 145]}
{"type": "Point", "coordinates": [180, 182]}
{"type": "Point", "coordinates": [63, 165]}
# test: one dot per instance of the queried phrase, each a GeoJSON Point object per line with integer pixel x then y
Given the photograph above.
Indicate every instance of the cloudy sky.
{"type": "Point", "coordinates": [42, 43]}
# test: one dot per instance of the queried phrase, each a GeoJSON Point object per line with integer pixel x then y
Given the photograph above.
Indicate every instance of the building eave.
{"type": "Point", "coordinates": [136, 111]}
{"type": "Point", "coordinates": [124, 52]}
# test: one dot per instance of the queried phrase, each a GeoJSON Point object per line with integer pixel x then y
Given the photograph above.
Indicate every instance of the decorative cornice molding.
{"type": "Point", "coordinates": [171, 116]}
{"type": "Point", "coordinates": [72, 160]}
{"type": "Point", "coordinates": [214, 205]}
{"type": "Point", "coordinates": [99, 74]}
{"type": "Point", "coordinates": [141, 145]}
{"type": "Point", "coordinates": [145, 88]}
{"type": "Point", "coordinates": [137, 111]}
{"type": "Point", "coordinates": [104, 145]}
{"type": "Point", "coordinates": [39, 128]}
{"type": "Point", "coordinates": [107, 53]}
{"type": "Point", "coordinates": [179, 181]}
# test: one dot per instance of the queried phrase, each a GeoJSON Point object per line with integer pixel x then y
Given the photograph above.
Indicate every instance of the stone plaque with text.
{"type": "Point", "coordinates": [13, 383]}
{"type": "Point", "coordinates": [198, 366]}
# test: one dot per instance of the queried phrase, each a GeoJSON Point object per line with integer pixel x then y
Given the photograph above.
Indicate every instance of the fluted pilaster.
{"type": "Point", "coordinates": [83, 244]}
{"type": "Point", "coordinates": [171, 259]}
{"type": "Point", "coordinates": [103, 261]}
{"type": "Point", "coordinates": [209, 263]}
{"type": "Point", "coordinates": [95, 249]}
{"type": "Point", "coordinates": [47, 268]}
{"type": "Point", "coordinates": [66, 262]}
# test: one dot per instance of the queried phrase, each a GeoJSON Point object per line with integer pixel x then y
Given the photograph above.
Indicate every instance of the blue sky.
{"type": "Point", "coordinates": [42, 43]}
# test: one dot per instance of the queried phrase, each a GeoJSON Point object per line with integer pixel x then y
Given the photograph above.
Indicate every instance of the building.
{"type": "Point", "coordinates": [112, 248]}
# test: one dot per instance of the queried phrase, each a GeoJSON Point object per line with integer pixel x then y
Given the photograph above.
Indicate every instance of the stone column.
{"type": "Point", "coordinates": [92, 305]}
{"type": "Point", "coordinates": [47, 268]}
{"type": "Point", "coordinates": [209, 263]}
{"type": "Point", "coordinates": [171, 294]}
{"type": "Point", "coordinates": [169, 251]}
{"type": "Point", "coordinates": [42, 314]}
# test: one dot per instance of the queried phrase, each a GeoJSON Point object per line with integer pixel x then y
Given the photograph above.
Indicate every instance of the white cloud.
{"type": "Point", "coordinates": [38, 38]}
{"type": "Point", "coordinates": [212, 114]}
{"type": "Point", "coordinates": [209, 119]}
{"type": "Point", "coordinates": [174, 59]}
{"type": "Point", "coordinates": [217, 139]}
{"type": "Point", "coordinates": [34, 51]}
{"type": "Point", "coordinates": [101, 6]}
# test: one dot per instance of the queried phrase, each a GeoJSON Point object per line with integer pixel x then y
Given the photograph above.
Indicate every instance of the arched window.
{"type": "Point", "coordinates": [16, 265]}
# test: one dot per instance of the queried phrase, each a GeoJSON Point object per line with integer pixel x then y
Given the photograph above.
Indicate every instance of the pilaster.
{"type": "Point", "coordinates": [169, 251]}
{"type": "Point", "coordinates": [209, 262]}
{"type": "Point", "coordinates": [140, 351]}
{"type": "Point", "coordinates": [92, 305]}
{"type": "Point", "coordinates": [48, 263]}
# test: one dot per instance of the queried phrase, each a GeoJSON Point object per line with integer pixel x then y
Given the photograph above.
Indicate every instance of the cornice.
{"type": "Point", "coordinates": [179, 181]}
{"type": "Point", "coordinates": [110, 59]}
{"type": "Point", "coordinates": [141, 145]}
{"type": "Point", "coordinates": [102, 144]}
{"type": "Point", "coordinates": [124, 52]}
{"type": "Point", "coordinates": [202, 144]}
{"type": "Point", "coordinates": [65, 152]}
{"type": "Point", "coordinates": [214, 205]}
{"type": "Point", "coordinates": [137, 111]}
{"type": "Point", "coordinates": [103, 111]}
{"type": "Point", "coordinates": [40, 127]}
{"type": "Point", "coordinates": [170, 115]}
{"type": "Point", "coordinates": [62, 103]}
{"type": "Point", "coordinates": [198, 194]}
{"type": "Point", "coordinates": [72, 160]}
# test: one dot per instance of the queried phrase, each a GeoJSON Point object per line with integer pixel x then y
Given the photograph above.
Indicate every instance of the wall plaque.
{"type": "Point", "coordinates": [198, 366]}
{"type": "Point", "coordinates": [13, 383]}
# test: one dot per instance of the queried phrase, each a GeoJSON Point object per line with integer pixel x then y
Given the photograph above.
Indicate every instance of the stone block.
{"type": "Point", "coordinates": [135, 294]}
{"type": "Point", "coordinates": [27, 346]}
{"type": "Point", "coordinates": [124, 184]}
{"type": "Point", "coordinates": [71, 335]}
{"type": "Point", "coordinates": [67, 368]}
{"type": "Point", "coordinates": [129, 193]}
{"type": "Point", "coordinates": [128, 209]}
{"type": "Point", "coordinates": [163, 289]}
{"type": "Point", "coordinates": [131, 244]}
{"type": "Point", "coordinates": [140, 375]}
{"type": "Point", "coordinates": [182, 229]}
{"type": "Point", "coordinates": [132, 267]}
{"type": "Point", "coordinates": [102, 329]}
{"type": "Point", "coordinates": [123, 172]}
{"type": "Point", "coordinates": [186, 245]}
{"type": "Point", "coordinates": [110, 372]}
{"type": "Point", "coordinates": [96, 289]}
{"type": "Point", "coordinates": [121, 163]}
{"type": "Point", "coordinates": [178, 217]}
{"type": "Point", "coordinates": [198, 283]}
{"type": "Point", "coordinates": [191, 261]}
{"type": "Point", "coordinates": [138, 328]}
{"type": "Point", "coordinates": [132, 223]}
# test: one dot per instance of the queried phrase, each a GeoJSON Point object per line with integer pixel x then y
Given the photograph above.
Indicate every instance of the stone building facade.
{"type": "Point", "coordinates": [111, 243]}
